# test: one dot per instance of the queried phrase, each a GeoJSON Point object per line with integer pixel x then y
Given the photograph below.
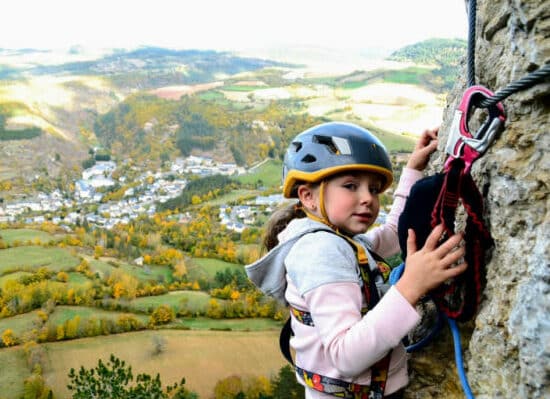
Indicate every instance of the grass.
{"type": "Point", "coordinates": [19, 324]}
{"type": "Point", "coordinates": [203, 323]}
{"type": "Point", "coordinates": [77, 279]}
{"type": "Point", "coordinates": [192, 300]}
{"type": "Point", "coordinates": [31, 257]}
{"type": "Point", "coordinates": [12, 276]}
{"type": "Point", "coordinates": [207, 267]}
{"type": "Point", "coordinates": [14, 372]}
{"type": "Point", "coordinates": [268, 174]}
{"type": "Point", "coordinates": [145, 274]}
{"type": "Point", "coordinates": [24, 235]}
{"type": "Point", "coordinates": [202, 357]}
{"type": "Point", "coordinates": [64, 313]}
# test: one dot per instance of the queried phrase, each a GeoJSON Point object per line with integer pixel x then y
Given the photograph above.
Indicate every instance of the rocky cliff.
{"type": "Point", "coordinates": [507, 346]}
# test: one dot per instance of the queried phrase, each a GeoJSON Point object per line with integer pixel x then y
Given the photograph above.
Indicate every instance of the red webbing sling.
{"type": "Point", "coordinates": [435, 199]}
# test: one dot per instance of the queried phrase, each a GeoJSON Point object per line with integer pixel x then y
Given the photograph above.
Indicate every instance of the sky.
{"type": "Point", "coordinates": [228, 24]}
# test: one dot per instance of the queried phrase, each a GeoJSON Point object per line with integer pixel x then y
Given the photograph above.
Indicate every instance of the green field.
{"type": "Point", "coordinates": [20, 324]}
{"type": "Point", "coordinates": [191, 300]}
{"type": "Point", "coordinates": [29, 258]}
{"type": "Point", "coordinates": [149, 273]}
{"type": "Point", "coordinates": [203, 323]}
{"type": "Point", "coordinates": [268, 174]}
{"type": "Point", "coordinates": [209, 267]}
{"type": "Point", "coordinates": [12, 276]}
{"type": "Point", "coordinates": [223, 346]}
{"type": "Point", "coordinates": [24, 235]}
{"type": "Point", "coordinates": [64, 313]}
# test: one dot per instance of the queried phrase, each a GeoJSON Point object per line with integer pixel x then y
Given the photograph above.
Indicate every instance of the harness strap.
{"type": "Point", "coordinates": [334, 386]}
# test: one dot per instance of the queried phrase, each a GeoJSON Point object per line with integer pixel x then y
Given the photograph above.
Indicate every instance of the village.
{"type": "Point", "coordinates": [65, 209]}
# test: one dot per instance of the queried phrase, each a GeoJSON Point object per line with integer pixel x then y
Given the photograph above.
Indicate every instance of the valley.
{"type": "Point", "coordinates": [134, 187]}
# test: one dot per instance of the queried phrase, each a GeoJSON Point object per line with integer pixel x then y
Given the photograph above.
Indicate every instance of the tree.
{"type": "Point", "coordinates": [285, 385]}
{"type": "Point", "coordinates": [115, 380]}
{"type": "Point", "coordinates": [8, 338]}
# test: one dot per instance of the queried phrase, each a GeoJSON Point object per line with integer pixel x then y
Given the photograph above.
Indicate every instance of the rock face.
{"type": "Point", "coordinates": [507, 347]}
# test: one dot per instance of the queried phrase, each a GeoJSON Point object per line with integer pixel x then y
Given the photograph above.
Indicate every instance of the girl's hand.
{"type": "Point", "coordinates": [425, 146]}
{"type": "Point", "coordinates": [431, 265]}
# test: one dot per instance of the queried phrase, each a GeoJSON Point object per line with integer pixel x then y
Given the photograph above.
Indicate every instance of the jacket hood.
{"type": "Point", "coordinates": [268, 273]}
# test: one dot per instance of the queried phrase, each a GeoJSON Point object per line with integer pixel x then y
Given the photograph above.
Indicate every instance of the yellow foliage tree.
{"type": "Point", "coordinates": [62, 277]}
{"type": "Point", "coordinates": [180, 269]}
{"type": "Point", "coordinates": [71, 329]}
{"type": "Point", "coordinates": [195, 200]}
{"type": "Point", "coordinates": [60, 332]}
{"type": "Point", "coordinates": [235, 295]}
{"type": "Point", "coordinates": [98, 251]}
{"type": "Point", "coordinates": [162, 315]}
{"type": "Point", "coordinates": [8, 338]}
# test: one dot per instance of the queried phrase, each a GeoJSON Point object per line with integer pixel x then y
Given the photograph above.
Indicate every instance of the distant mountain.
{"type": "Point", "coordinates": [443, 52]}
{"type": "Point", "coordinates": [446, 54]}
{"type": "Point", "coordinates": [146, 67]}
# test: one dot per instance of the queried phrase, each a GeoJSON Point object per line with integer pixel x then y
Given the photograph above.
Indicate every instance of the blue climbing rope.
{"type": "Point", "coordinates": [458, 358]}
{"type": "Point", "coordinates": [395, 275]}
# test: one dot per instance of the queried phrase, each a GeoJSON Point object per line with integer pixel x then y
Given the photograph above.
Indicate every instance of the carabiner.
{"type": "Point", "coordinates": [461, 143]}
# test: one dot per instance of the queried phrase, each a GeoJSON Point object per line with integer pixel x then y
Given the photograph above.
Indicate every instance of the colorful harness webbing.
{"type": "Point", "coordinates": [379, 370]}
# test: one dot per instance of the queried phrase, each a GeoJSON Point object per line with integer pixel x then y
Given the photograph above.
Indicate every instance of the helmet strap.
{"type": "Point", "coordinates": [324, 217]}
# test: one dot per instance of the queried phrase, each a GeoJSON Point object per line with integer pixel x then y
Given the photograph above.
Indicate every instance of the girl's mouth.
{"type": "Point", "coordinates": [363, 217]}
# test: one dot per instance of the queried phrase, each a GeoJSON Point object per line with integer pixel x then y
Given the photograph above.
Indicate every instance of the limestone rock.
{"type": "Point", "coordinates": [507, 346]}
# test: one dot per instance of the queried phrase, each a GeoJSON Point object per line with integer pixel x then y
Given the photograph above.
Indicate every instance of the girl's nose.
{"type": "Point", "coordinates": [365, 195]}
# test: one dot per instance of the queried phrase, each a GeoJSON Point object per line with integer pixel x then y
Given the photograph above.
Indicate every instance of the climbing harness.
{"type": "Point", "coordinates": [379, 371]}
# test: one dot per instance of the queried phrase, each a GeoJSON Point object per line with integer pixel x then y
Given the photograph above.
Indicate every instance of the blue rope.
{"type": "Point", "coordinates": [458, 358]}
{"type": "Point", "coordinates": [395, 275]}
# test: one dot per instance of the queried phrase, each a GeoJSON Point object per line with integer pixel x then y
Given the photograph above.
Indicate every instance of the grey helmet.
{"type": "Point", "coordinates": [331, 148]}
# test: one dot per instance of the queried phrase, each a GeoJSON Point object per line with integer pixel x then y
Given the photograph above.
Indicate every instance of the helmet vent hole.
{"type": "Point", "coordinates": [309, 159]}
{"type": "Point", "coordinates": [297, 146]}
{"type": "Point", "coordinates": [326, 141]}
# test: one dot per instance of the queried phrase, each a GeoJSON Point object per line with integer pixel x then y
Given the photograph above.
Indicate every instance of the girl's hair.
{"type": "Point", "coordinates": [278, 221]}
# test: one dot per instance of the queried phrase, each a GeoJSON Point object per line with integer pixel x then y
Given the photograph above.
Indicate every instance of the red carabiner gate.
{"type": "Point", "coordinates": [461, 143]}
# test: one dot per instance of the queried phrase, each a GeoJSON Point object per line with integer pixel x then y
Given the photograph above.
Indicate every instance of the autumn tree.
{"type": "Point", "coordinates": [164, 314]}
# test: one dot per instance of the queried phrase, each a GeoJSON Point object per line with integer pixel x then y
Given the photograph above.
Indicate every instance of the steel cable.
{"type": "Point", "coordinates": [522, 84]}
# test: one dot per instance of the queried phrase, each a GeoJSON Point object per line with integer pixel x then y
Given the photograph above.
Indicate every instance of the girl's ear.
{"type": "Point", "coordinates": [307, 197]}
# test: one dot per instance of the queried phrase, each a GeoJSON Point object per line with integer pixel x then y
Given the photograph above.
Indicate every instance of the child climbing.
{"type": "Point", "coordinates": [348, 323]}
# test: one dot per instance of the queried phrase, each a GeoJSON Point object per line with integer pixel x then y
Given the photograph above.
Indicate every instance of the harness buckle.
{"type": "Point", "coordinates": [461, 143]}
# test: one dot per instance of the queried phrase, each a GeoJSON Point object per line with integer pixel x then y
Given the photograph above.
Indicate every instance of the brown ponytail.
{"type": "Point", "coordinates": [278, 221]}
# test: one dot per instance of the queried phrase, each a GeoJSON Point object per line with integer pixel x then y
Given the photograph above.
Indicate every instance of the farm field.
{"type": "Point", "coordinates": [202, 357]}
{"type": "Point", "coordinates": [72, 330]}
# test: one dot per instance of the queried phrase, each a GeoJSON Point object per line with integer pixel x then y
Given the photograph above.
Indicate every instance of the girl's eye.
{"type": "Point", "coordinates": [350, 186]}
{"type": "Point", "coordinates": [374, 189]}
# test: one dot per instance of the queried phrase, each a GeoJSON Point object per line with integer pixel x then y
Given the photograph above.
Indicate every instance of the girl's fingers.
{"type": "Point", "coordinates": [449, 245]}
{"type": "Point", "coordinates": [453, 256]}
{"type": "Point", "coordinates": [434, 237]}
{"type": "Point", "coordinates": [411, 242]}
{"type": "Point", "coordinates": [456, 270]}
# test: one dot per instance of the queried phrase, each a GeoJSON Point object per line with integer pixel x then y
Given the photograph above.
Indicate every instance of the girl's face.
{"type": "Point", "coordinates": [351, 201]}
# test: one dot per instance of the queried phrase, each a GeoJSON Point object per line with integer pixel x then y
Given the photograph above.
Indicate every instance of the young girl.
{"type": "Point", "coordinates": [347, 323]}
